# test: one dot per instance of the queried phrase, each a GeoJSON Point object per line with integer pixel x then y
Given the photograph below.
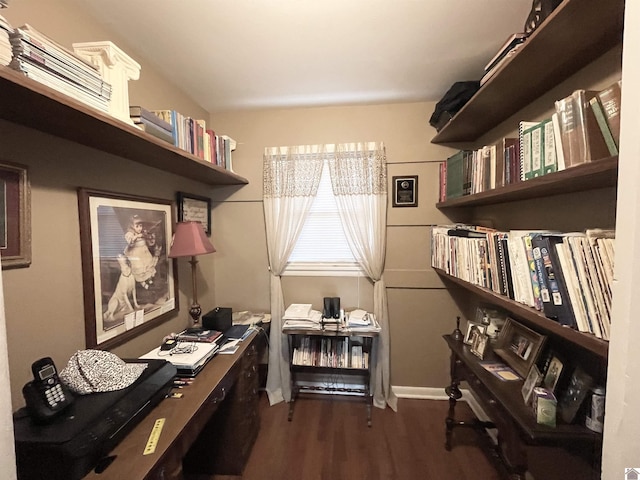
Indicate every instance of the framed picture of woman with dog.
{"type": "Point", "coordinates": [129, 281]}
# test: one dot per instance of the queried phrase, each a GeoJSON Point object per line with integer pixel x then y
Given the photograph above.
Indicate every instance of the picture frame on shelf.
{"type": "Point", "coordinates": [129, 281]}
{"type": "Point", "coordinates": [15, 216]}
{"type": "Point", "coordinates": [405, 191]}
{"type": "Point", "coordinates": [553, 373]}
{"type": "Point", "coordinates": [479, 346]}
{"type": "Point", "coordinates": [473, 329]}
{"type": "Point", "coordinates": [534, 378]}
{"type": "Point", "coordinates": [519, 346]}
{"type": "Point", "coordinates": [572, 398]}
{"type": "Point", "coordinates": [195, 208]}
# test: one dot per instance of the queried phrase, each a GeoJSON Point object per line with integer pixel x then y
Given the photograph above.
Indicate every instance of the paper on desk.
{"type": "Point", "coordinates": [230, 347]}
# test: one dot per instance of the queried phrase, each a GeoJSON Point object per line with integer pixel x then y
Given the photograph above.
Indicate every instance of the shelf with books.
{"type": "Point", "coordinates": [577, 32]}
{"type": "Point", "coordinates": [36, 106]}
{"type": "Point", "coordinates": [587, 176]}
{"type": "Point", "coordinates": [532, 317]}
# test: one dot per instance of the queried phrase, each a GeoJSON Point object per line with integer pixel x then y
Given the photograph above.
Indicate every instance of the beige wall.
{"type": "Point", "coordinates": [420, 309]}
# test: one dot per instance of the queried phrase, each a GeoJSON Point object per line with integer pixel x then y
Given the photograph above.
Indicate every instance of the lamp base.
{"type": "Point", "coordinates": [195, 311]}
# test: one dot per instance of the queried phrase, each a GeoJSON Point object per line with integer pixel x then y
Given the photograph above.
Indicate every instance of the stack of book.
{"type": "Point", "coordinates": [301, 316]}
{"type": "Point", "coordinates": [49, 63]}
{"type": "Point", "coordinates": [151, 123]}
{"type": "Point", "coordinates": [508, 49]}
{"type": "Point", "coordinates": [566, 276]}
{"type": "Point", "coordinates": [199, 335]}
{"type": "Point", "coordinates": [5, 44]}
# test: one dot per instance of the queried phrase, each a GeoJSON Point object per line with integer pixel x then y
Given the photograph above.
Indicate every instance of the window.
{"type": "Point", "coordinates": [322, 248]}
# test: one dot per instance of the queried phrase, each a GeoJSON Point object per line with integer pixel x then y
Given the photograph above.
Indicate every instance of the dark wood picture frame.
{"type": "Point", "coordinates": [519, 346]}
{"type": "Point", "coordinates": [130, 283]}
{"type": "Point", "coordinates": [405, 191]}
{"type": "Point", "coordinates": [195, 208]}
{"type": "Point", "coordinates": [15, 216]}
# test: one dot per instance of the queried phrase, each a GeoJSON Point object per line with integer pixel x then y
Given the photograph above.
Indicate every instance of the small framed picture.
{"type": "Point", "coordinates": [572, 398]}
{"type": "Point", "coordinates": [553, 373]}
{"type": "Point", "coordinates": [519, 346]}
{"type": "Point", "coordinates": [479, 345]}
{"type": "Point", "coordinates": [194, 208]}
{"type": "Point", "coordinates": [15, 216]}
{"type": "Point", "coordinates": [473, 329]}
{"type": "Point", "coordinates": [533, 380]}
{"type": "Point", "coordinates": [405, 191]}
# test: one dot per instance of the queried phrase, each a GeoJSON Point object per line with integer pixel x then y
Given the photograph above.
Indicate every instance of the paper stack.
{"type": "Point", "coordinates": [359, 320]}
{"type": "Point", "coordinates": [301, 315]}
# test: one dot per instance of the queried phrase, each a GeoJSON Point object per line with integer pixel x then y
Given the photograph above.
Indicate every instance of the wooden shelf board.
{"type": "Point", "coordinates": [29, 103]}
{"type": "Point", "coordinates": [574, 35]}
{"type": "Point", "coordinates": [588, 176]}
{"type": "Point", "coordinates": [533, 318]}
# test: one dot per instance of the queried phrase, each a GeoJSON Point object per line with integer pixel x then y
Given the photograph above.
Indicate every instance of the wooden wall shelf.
{"type": "Point", "coordinates": [588, 176]}
{"type": "Point", "coordinates": [574, 35]}
{"type": "Point", "coordinates": [29, 103]}
{"type": "Point", "coordinates": [533, 318]}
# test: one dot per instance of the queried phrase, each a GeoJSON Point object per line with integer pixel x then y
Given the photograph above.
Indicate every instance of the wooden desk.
{"type": "Point", "coordinates": [566, 451]}
{"type": "Point", "coordinates": [185, 419]}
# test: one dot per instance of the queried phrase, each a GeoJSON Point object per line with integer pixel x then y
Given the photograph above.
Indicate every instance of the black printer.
{"type": "Point", "coordinates": [71, 445]}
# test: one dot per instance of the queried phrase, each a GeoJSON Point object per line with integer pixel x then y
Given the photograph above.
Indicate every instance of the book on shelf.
{"type": "Point", "coordinates": [512, 41]}
{"type": "Point", "coordinates": [555, 298]}
{"type": "Point", "coordinates": [139, 114]}
{"type": "Point", "coordinates": [610, 98]}
{"type": "Point", "coordinates": [581, 138]}
{"type": "Point", "coordinates": [601, 120]}
{"type": "Point", "coordinates": [557, 136]}
{"type": "Point", "coordinates": [549, 157]}
{"type": "Point", "coordinates": [499, 63]}
{"type": "Point", "coordinates": [155, 130]}
{"type": "Point", "coordinates": [455, 175]}
{"type": "Point", "coordinates": [524, 141]}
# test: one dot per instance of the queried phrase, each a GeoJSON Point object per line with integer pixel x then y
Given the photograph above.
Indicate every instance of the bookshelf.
{"type": "Point", "coordinates": [29, 103]}
{"type": "Point", "coordinates": [577, 32]}
{"type": "Point", "coordinates": [588, 176]}
{"type": "Point", "coordinates": [319, 352]}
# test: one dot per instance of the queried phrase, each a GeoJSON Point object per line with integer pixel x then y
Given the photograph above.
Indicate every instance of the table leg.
{"type": "Point", "coordinates": [454, 394]}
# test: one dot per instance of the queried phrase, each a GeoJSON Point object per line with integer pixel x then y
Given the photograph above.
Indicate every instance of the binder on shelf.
{"type": "Point", "coordinates": [610, 98]}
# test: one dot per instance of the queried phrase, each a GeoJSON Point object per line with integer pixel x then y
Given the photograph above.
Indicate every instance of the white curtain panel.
{"type": "Point", "coordinates": [359, 181]}
{"type": "Point", "coordinates": [291, 178]}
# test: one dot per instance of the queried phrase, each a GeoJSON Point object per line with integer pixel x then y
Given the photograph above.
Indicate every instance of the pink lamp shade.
{"type": "Point", "coordinates": [190, 240]}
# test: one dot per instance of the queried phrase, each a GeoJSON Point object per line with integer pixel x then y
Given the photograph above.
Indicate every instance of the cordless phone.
{"type": "Point", "coordinates": [45, 396]}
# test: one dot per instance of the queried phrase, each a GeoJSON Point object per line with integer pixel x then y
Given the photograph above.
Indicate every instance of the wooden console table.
{"type": "Point", "coordinates": [227, 382]}
{"type": "Point", "coordinates": [566, 451]}
{"type": "Point", "coordinates": [331, 338]}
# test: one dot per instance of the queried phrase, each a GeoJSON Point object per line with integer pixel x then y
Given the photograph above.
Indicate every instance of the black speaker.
{"type": "Point", "coordinates": [335, 307]}
{"type": "Point", "coordinates": [331, 307]}
{"type": "Point", "coordinates": [217, 319]}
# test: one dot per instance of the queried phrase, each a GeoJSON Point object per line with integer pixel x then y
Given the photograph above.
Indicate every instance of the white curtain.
{"type": "Point", "coordinates": [359, 181]}
{"type": "Point", "coordinates": [291, 178]}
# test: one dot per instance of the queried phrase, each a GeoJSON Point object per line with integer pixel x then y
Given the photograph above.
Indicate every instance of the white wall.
{"type": "Point", "coordinates": [622, 415]}
{"type": "Point", "coordinates": [7, 452]}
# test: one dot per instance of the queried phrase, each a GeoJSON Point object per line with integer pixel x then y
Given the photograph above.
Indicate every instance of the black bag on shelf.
{"type": "Point", "coordinates": [452, 101]}
{"type": "Point", "coordinates": [540, 10]}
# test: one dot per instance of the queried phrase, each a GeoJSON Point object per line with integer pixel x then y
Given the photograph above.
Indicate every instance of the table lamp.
{"type": "Point", "coordinates": [190, 240]}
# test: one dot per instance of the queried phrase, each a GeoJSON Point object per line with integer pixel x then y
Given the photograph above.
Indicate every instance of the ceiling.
{"type": "Point", "coordinates": [238, 54]}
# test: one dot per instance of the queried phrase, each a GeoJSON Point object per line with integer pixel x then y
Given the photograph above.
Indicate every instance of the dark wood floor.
{"type": "Point", "coordinates": [328, 439]}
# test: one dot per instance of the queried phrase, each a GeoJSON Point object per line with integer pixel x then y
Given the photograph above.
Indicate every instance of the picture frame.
{"type": "Point", "coordinates": [534, 378]}
{"type": "Point", "coordinates": [519, 346]}
{"type": "Point", "coordinates": [195, 208]}
{"type": "Point", "coordinates": [15, 216]}
{"type": "Point", "coordinates": [405, 191]}
{"type": "Point", "coordinates": [130, 283]}
{"type": "Point", "coordinates": [479, 346]}
{"type": "Point", "coordinates": [553, 373]}
{"type": "Point", "coordinates": [473, 329]}
{"type": "Point", "coordinates": [572, 398]}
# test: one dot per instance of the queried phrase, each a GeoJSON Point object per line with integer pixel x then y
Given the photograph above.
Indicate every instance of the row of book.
{"type": "Point", "coordinates": [6, 52]}
{"type": "Point", "coordinates": [585, 127]}
{"type": "Point", "coordinates": [186, 133]}
{"type": "Point", "coordinates": [341, 352]}
{"type": "Point", "coordinates": [45, 61]}
{"type": "Point", "coordinates": [566, 276]}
